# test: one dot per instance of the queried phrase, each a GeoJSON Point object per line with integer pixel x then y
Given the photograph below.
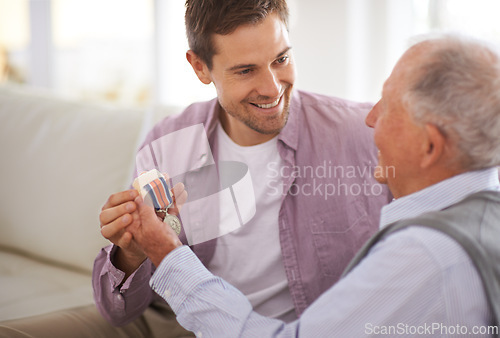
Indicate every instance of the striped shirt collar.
{"type": "Point", "coordinates": [440, 195]}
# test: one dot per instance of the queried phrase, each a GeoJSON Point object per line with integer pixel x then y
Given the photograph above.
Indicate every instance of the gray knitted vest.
{"type": "Point", "coordinates": [474, 223]}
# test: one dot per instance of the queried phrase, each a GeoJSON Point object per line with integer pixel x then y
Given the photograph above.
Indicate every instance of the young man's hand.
{"type": "Point", "coordinates": [119, 214]}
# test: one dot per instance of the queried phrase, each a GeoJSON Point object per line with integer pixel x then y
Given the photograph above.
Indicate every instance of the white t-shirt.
{"type": "Point", "coordinates": [250, 257]}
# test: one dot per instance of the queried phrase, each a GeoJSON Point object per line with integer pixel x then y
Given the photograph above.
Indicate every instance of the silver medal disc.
{"type": "Point", "coordinates": [174, 223]}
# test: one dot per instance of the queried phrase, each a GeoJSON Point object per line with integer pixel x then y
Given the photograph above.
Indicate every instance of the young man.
{"type": "Point", "coordinates": [434, 268]}
{"type": "Point", "coordinates": [309, 157]}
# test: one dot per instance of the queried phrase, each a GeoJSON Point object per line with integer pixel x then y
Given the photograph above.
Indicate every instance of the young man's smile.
{"type": "Point", "coordinates": [253, 73]}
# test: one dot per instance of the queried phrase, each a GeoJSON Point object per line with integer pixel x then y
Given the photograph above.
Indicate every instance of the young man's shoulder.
{"type": "Point", "coordinates": [310, 99]}
{"type": "Point", "coordinates": [195, 113]}
{"type": "Point", "coordinates": [330, 111]}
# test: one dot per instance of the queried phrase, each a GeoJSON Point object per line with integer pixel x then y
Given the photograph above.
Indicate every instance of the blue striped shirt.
{"type": "Point", "coordinates": [417, 281]}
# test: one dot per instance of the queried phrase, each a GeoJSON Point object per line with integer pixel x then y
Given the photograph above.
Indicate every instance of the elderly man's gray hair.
{"type": "Point", "coordinates": [457, 89]}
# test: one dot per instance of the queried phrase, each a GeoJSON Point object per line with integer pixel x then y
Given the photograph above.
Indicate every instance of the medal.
{"type": "Point", "coordinates": [154, 189]}
{"type": "Point", "coordinates": [173, 222]}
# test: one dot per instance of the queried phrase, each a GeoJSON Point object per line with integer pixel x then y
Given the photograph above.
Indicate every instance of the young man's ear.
{"type": "Point", "coordinates": [199, 67]}
{"type": "Point", "coordinates": [435, 146]}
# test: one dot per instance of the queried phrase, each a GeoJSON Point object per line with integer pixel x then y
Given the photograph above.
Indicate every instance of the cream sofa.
{"type": "Point", "coordinates": [60, 160]}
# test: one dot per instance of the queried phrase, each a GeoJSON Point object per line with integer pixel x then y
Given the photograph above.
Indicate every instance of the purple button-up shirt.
{"type": "Point", "coordinates": [330, 207]}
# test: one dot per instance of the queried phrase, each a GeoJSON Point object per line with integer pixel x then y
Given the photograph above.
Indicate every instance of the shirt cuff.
{"type": "Point", "coordinates": [116, 276]}
{"type": "Point", "coordinates": [178, 275]}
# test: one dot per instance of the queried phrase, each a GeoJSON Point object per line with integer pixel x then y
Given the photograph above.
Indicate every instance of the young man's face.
{"type": "Point", "coordinates": [253, 72]}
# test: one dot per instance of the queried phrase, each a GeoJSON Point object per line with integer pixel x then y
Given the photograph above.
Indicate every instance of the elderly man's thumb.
{"type": "Point", "coordinates": [146, 212]}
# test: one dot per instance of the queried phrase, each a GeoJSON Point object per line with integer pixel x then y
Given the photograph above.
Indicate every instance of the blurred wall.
{"type": "Point", "coordinates": [347, 48]}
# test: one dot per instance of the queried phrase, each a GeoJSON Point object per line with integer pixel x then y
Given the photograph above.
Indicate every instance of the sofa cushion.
{"type": "Point", "coordinates": [31, 287]}
{"type": "Point", "coordinates": [60, 162]}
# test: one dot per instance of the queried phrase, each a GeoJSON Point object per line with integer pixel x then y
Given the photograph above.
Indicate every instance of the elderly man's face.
{"type": "Point", "coordinates": [397, 136]}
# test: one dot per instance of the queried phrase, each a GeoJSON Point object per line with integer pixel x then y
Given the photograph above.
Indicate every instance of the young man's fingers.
{"type": "Point", "coordinates": [112, 230]}
{"type": "Point", "coordinates": [120, 198]}
{"type": "Point", "coordinates": [179, 195]}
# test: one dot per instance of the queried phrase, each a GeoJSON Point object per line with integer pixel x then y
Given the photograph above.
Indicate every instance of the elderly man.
{"type": "Point", "coordinates": [434, 268]}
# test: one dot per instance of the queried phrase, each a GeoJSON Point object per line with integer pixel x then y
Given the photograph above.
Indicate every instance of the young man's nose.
{"type": "Point", "coordinates": [269, 84]}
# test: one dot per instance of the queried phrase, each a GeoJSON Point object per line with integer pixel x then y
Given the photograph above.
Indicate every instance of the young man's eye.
{"type": "Point", "coordinates": [282, 59]}
{"type": "Point", "coordinates": [244, 71]}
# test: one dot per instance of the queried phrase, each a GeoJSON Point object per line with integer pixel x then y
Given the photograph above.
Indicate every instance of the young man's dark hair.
{"type": "Point", "coordinates": [207, 17]}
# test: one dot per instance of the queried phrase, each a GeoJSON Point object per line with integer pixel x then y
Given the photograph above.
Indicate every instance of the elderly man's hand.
{"type": "Point", "coordinates": [155, 238]}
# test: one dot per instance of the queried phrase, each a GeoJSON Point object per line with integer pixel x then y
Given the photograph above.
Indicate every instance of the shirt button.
{"type": "Point", "coordinates": [119, 297]}
{"type": "Point", "coordinates": [199, 334]}
{"type": "Point", "coordinates": [167, 293]}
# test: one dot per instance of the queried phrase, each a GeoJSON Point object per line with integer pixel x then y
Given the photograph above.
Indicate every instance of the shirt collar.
{"type": "Point", "coordinates": [440, 195]}
{"type": "Point", "coordinates": [213, 118]}
{"type": "Point", "coordinates": [289, 135]}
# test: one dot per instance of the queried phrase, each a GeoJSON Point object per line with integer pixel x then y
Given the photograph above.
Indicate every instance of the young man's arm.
{"type": "Point", "coordinates": [121, 271]}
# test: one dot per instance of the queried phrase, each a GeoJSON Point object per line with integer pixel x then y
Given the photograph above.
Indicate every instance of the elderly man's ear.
{"type": "Point", "coordinates": [434, 146]}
